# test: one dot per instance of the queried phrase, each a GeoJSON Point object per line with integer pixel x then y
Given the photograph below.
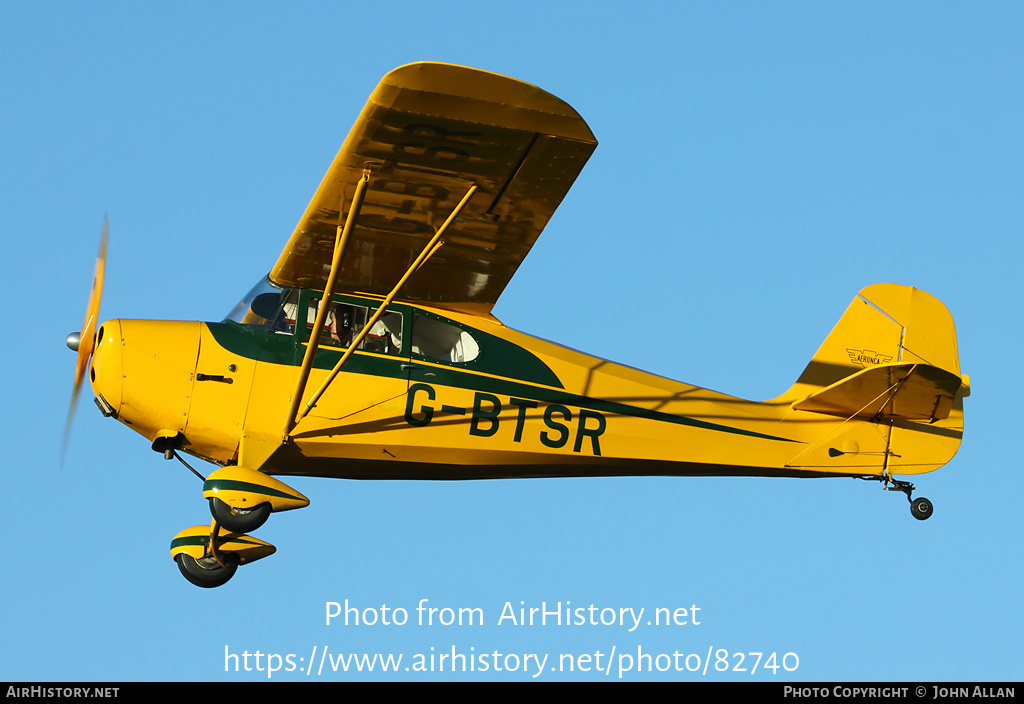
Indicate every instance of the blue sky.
{"type": "Point", "coordinates": [759, 164]}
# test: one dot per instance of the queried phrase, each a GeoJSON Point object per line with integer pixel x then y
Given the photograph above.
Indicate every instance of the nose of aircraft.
{"type": "Point", "coordinates": [142, 373]}
{"type": "Point", "coordinates": [107, 371]}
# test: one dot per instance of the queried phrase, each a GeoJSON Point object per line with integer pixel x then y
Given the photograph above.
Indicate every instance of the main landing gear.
{"type": "Point", "coordinates": [206, 571]}
{"type": "Point", "coordinates": [240, 520]}
{"type": "Point", "coordinates": [241, 500]}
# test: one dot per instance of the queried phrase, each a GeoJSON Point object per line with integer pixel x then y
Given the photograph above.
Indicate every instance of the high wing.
{"type": "Point", "coordinates": [428, 132]}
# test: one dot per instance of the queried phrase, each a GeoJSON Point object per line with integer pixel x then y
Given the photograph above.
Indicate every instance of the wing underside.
{"type": "Point", "coordinates": [428, 132]}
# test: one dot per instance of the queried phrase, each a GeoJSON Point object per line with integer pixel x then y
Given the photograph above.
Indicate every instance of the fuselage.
{"type": "Point", "coordinates": [441, 394]}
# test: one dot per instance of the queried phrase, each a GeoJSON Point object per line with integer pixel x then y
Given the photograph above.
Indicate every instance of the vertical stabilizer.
{"type": "Point", "coordinates": [885, 323]}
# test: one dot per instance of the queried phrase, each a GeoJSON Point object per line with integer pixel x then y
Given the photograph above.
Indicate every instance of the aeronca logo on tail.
{"type": "Point", "coordinates": [866, 357]}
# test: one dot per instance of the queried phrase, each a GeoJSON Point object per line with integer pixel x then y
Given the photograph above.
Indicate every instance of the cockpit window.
{"type": "Point", "coordinates": [267, 307]}
{"type": "Point", "coordinates": [346, 320]}
{"type": "Point", "coordinates": [439, 340]}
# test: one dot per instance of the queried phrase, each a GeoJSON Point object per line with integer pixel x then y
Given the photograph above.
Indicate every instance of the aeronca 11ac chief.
{"type": "Point", "coordinates": [370, 352]}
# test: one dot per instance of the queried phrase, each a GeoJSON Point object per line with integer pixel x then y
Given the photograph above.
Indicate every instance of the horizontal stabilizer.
{"type": "Point", "coordinates": [896, 391]}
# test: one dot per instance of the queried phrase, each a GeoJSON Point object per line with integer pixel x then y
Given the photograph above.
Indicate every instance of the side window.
{"type": "Point", "coordinates": [442, 341]}
{"type": "Point", "coordinates": [346, 320]}
{"type": "Point", "coordinates": [385, 335]}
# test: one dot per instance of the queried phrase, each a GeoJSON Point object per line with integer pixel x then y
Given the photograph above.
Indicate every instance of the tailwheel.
{"type": "Point", "coordinates": [239, 520]}
{"type": "Point", "coordinates": [921, 508]}
{"type": "Point", "coordinates": [207, 572]}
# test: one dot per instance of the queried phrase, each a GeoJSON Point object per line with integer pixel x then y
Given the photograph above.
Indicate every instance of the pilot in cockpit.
{"type": "Point", "coordinates": [339, 325]}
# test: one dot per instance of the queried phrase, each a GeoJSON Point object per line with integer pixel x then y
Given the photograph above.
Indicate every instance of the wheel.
{"type": "Point", "coordinates": [239, 520]}
{"type": "Point", "coordinates": [921, 508]}
{"type": "Point", "coordinates": [205, 572]}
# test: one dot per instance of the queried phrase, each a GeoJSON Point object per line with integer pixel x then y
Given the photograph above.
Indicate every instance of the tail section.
{"type": "Point", "coordinates": [891, 361]}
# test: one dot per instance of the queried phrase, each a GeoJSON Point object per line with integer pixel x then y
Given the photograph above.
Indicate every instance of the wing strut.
{"type": "Point", "coordinates": [432, 246]}
{"type": "Point", "coordinates": [341, 240]}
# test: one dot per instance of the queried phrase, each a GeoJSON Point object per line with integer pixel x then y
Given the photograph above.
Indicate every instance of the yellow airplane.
{"type": "Point", "coordinates": [370, 352]}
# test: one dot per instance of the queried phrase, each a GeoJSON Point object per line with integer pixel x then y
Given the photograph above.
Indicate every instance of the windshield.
{"type": "Point", "coordinates": [267, 306]}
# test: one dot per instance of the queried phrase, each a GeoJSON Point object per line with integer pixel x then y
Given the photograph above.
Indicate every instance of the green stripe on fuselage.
{"type": "Point", "coordinates": [282, 349]}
